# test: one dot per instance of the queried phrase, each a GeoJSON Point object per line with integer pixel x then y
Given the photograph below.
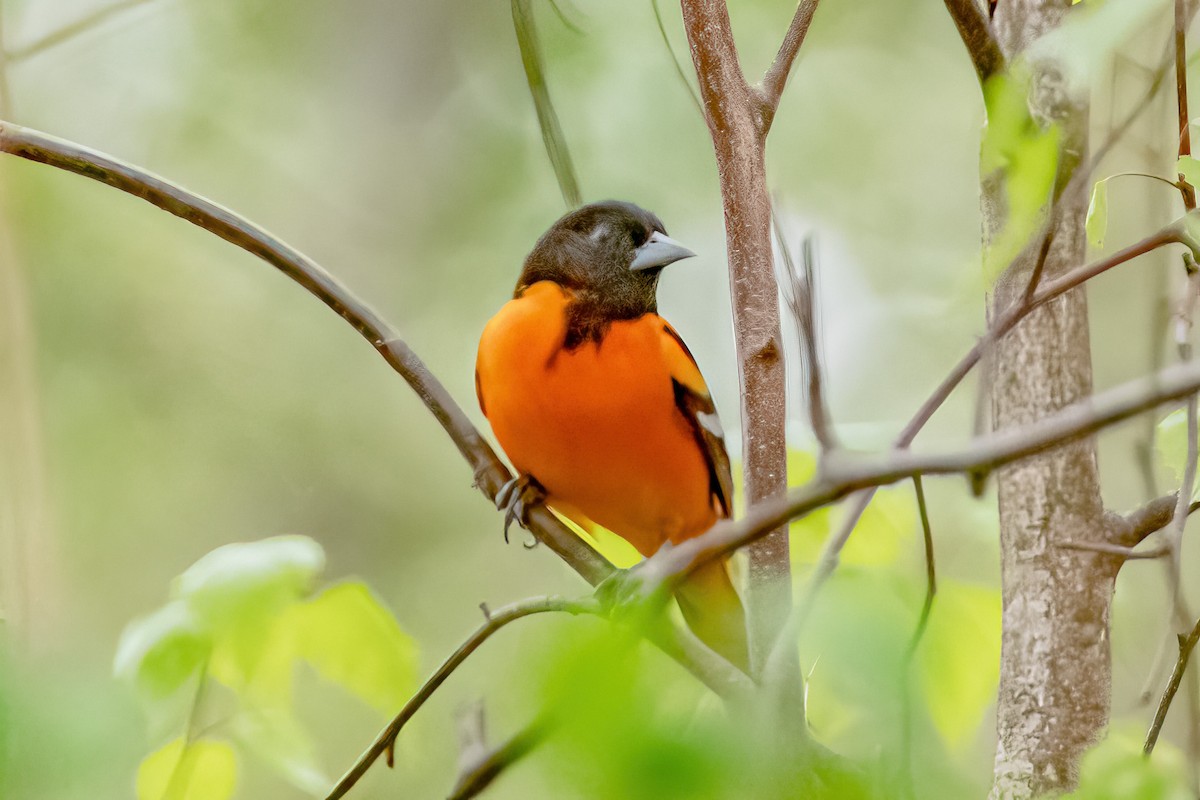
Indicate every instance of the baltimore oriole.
{"type": "Point", "coordinates": [600, 406]}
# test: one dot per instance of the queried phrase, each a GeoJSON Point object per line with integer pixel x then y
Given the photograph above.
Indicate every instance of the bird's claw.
{"type": "Point", "coordinates": [515, 498]}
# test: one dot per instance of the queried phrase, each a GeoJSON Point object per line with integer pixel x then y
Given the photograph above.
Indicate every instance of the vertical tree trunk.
{"type": "Point", "coordinates": [1055, 669]}
{"type": "Point", "coordinates": [735, 113]}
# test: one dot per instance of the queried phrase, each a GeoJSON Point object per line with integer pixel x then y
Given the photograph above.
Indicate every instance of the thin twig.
{"type": "Point", "coordinates": [799, 288]}
{"type": "Point", "coordinates": [535, 77]}
{"type": "Point", "coordinates": [976, 33]}
{"type": "Point", "coordinates": [73, 30]}
{"type": "Point", "coordinates": [386, 740]}
{"type": "Point", "coordinates": [1126, 553]}
{"type": "Point", "coordinates": [1181, 99]}
{"type": "Point", "coordinates": [776, 77]}
{"type": "Point", "coordinates": [480, 775]}
{"type": "Point", "coordinates": [662, 30]}
{"type": "Point", "coordinates": [906, 714]}
{"type": "Point", "coordinates": [1186, 645]}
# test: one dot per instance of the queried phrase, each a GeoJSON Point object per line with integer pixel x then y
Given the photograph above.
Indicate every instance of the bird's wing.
{"type": "Point", "coordinates": [696, 404]}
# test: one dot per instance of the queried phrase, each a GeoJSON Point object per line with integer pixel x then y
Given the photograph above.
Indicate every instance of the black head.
{"type": "Point", "coordinates": [610, 254]}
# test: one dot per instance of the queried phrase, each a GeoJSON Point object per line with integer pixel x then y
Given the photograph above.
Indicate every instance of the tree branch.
{"type": "Point", "coordinates": [1176, 232]}
{"type": "Point", "coordinates": [736, 123]}
{"type": "Point", "coordinates": [385, 742]}
{"type": "Point", "coordinates": [847, 473]}
{"type": "Point", "coordinates": [1150, 518]}
{"type": "Point", "coordinates": [976, 33]}
{"type": "Point", "coordinates": [490, 472]}
{"type": "Point", "coordinates": [1186, 646]}
{"type": "Point", "coordinates": [482, 771]}
{"type": "Point", "coordinates": [771, 89]}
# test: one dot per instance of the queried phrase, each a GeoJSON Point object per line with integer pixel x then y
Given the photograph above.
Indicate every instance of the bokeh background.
{"type": "Point", "coordinates": [162, 393]}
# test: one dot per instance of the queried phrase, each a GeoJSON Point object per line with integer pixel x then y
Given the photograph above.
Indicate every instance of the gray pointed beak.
{"type": "Point", "coordinates": [658, 251]}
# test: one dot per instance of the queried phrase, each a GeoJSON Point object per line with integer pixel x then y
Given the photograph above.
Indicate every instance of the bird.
{"type": "Point", "coordinates": [601, 407]}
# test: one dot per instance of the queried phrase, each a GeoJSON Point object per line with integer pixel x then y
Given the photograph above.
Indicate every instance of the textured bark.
{"type": "Point", "coordinates": [1055, 672]}
{"type": "Point", "coordinates": [736, 121]}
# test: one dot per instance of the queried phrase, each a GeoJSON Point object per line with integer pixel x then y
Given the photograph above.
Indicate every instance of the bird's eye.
{"type": "Point", "coordinates": [639, 236]}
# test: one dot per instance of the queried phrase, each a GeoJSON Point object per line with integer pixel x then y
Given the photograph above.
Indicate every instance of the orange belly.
{"type": "Point", "coordinates": [597, 426]}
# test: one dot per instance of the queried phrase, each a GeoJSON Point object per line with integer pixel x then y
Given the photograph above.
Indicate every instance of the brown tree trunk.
{"type": "Point", "coordinates": [1055, 669]}
{"type": "Point", "coordinates": [735, 113]}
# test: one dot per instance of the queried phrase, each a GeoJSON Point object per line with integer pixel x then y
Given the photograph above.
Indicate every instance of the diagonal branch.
{"type": "Point", "coordinates": [1186, 645]}
{"type": "Point", "coordinates": [976, 33]}
{"type": "Point", "coordinates": [480, 774]}
{"type": "Point", "coordinates": [848, 474]}
{"type": "Point", "coordinates": [773, 82]}
{"type": "Point", "coordinates": [385, 742]}
{"type": "Point", "coordinates": [490, 472]}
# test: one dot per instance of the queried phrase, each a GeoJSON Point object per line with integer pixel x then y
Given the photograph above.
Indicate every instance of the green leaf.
{"type": "Point", "coordinates": [959, 658]}
{"type": "Point", "coordinates": [202, 770]}
{"type": "Point", "coordinates": [1097, 214]}
{"type": "Point", "coordinates": [1170, 443]}
{"type": "Point", "coordinates": [351, 639]}
{"type": "Point", "coordinates": [161, 651]}
{"type": "Point", "coordinates": [238, 591]}
{"type": "Point", "coordinates": [1024, 156]}
{"type": "Point", "coordinates": [1189, 168]}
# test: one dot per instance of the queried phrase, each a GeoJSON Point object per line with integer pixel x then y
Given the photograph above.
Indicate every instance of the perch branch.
{"type": "Point", "coordinates": [848, 474]}
{"type": "Point", "coordinates": [490, 472]}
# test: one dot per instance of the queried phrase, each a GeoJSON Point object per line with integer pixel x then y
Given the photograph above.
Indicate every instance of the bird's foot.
{"type": "Point", "coordinates": [516, 497]}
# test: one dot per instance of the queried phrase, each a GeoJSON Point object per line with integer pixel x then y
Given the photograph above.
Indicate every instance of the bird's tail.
{"type": "Point", "coordinates": [713, 611]}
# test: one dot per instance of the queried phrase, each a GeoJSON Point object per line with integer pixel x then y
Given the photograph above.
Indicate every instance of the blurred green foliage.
{"type": "Point", "coordinates": [240, 620]}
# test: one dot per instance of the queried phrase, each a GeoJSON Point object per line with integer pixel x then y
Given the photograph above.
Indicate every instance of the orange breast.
{"type": "Point", "coordinates": [597, 426]}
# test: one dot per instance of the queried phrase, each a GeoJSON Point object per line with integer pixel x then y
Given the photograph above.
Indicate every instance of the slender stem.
{"type": "Point", "coordinates": [918, 633]}
{"type": "Point", "coordinates": [776, 77]}
{"type": "Point", "coordinates": [1181, 99]}
{"type": "Point", "coordinates": [480, 776]}
{"type": "Point", "coordinates": [1186, 645]}
{"type": "Point", "coordinates": [386, 740]}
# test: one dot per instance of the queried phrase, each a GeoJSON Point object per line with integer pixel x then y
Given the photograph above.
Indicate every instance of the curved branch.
{"type": "Point", "coordinates": [386, 740]}
{"type": "Point", "coordinates": [1150, 518]}
{"type": "Point", "coordinates": [490, 472]}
